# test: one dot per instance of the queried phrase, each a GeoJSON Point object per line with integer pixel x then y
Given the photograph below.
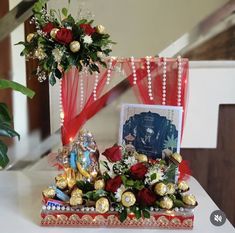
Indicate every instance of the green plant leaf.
{"type": "Point", "coordinates": [17, 87]}
{"type": "Point", "coordinates": [178, 203]}
{"type": "Point", "coordinates": [4, 160]}
{"type": "Point", "coordinates": [123, 215]}
{"type": "Point", "coordinates": [52, 79]}
{"type": "Point", "coordinates": [4, 113]}
{"type": "Point", "coordinates": [7, 131]}
{"type": "Point", "coordinates": [146, 213]}
{"type": "Point", "coordinates": [65, 11]}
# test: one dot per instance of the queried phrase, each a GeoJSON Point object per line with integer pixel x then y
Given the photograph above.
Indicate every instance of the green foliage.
{"type": "Point", "coordinates": [123, 215]}
{"type": "Point", "coordinates": [95, 195]}
{"type": "Point", "coordinates": [17, 87]}
{"type": "Point", "coordinates": [146, 213]}
{"type": "Point", "coordinates": [85, 186]}
{"type": "Point", "coordinates": [87, 55]}
{"type": "Point", "coordinates": [6, 129]}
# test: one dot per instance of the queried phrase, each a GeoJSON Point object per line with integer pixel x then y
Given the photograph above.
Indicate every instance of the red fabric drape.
{"type": "Point", "coordinates": [76, 115]}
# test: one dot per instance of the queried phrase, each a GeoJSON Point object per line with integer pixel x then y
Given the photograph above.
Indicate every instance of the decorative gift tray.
{"type": "Point", "coordinates": [88, 217]}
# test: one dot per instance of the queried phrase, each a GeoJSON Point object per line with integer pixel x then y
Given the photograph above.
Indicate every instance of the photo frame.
{"type": "Point", "coordinates": [151, 129]}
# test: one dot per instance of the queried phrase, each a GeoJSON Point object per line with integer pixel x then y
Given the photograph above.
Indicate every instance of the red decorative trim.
{"type": "Point", "coordinates": [169, 219]}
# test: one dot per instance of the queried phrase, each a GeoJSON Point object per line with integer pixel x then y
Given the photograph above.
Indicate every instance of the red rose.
{"type": "Point", "coordinates": [113, 184]}
{"type": "Point", "coordinates": [146, 197]}
{"type": "Point", "coordinates": [138, 171]}
{"type": "Point", "coordinates": [113, 154]}
{"type": "Point", "coordinates": [48, 27]}
{"type": "Point", "coordinates": [87, 28]}
{"type": "Point", "coordinates": [64, 36]}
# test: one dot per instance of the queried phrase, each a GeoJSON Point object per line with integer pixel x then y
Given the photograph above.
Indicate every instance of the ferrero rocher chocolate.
{"type": "Point", "coordinates": [189, 199]}
{"type": "Point", "coordinates": [99, 184]}
{"type": "Point", "coordinates": [76, 193]}
{"type": "Point", "coordinates": [74, 46]}
{"type": "Point", "coordinates": [49, 192]}
{"type": "Point", "coordinates": [170, 188]}
{"type": "Point", "coordinates": [142, 158]}
{"type": "Point", "coordinates": [29, 37]}
{"type": "Point", "coordinates": [53, 32]}
{"type": "Point", "coordinates": [75, 200]}
{"type": "Point", "coordinates": [160, 189]}
{"type": "Point", "coordinates": [128, 199]}
{"type": "Point", "coordinates": [61, 184]}
{"type": "Point", "coordinates": [183, 186]}
{"type": "Point", "coordinates": [166, 203]}
{"type": "Point", "coordinates": [102, 205]}
{"type": "Point", "coordinates": [177, 158]}
{"type": "Point", "coordinates": [100, 29]}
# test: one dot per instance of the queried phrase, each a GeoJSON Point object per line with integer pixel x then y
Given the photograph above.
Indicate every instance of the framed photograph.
{"type": "Point", "coordinates": [151, 129]}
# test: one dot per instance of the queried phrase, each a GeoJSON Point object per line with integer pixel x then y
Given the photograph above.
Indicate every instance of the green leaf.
{"type": "Point", "coordinates": [146, 213]}
{"type": "Point", "coordinates": [65, 11]}
{"type": "Point", "coordinates": [4, 160]}
{"type": "Point", "coordinates": [52, 79]}
{"type": "Point", "coordinates": [178, 203]}
{"type": "Point", "coordinates": [4, 113]}
{"type": "Point", "coordinates": [105, 164]}
{"type": "Point", "coordinates": [136, 211]}
{"type": "Point", "coordinates": [129, 183]}
{"type": "Point", "coordinates": [153, 176]}
{"type": "Point", "coordinates": [7, 131]}
{"type": "Point", "coordinates": [85, 186]}
{"type": "Point", "coordinates": [58, 74]}
{"type": "Point", "coordinates": [123, 215]}
{"type": "Point", "coordinates": [17, 87]}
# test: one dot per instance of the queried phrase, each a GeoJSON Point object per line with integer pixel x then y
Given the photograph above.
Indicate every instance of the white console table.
{"type": "Point", "coordinates": [20, 203]}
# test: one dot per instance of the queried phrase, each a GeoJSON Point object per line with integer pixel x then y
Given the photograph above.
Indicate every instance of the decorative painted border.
{"type": "Point", "coordinates": [83, 219]}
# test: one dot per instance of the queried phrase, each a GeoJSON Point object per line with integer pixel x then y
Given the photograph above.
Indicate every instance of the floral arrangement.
{"type": "Point", "coordinates": [60, 42]}
{"type": "Point", "coordinates": [126, 182]}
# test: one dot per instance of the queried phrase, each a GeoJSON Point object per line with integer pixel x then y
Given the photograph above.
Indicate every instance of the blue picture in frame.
{"type": "Point", "coordinates": [150, 129]}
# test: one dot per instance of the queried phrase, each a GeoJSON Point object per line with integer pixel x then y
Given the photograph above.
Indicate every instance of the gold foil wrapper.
{"type": "Point", "coordinates": [183, 186]}
{"type": "Point", "coordinates": [76, 193]}
{"type": "Point", "coordinates": [49, 192]}
{"type": "Point", "coordinates": [189, 199]}
{"type": "Point", "coordinates": [160, 189]}
{"type": "Point", "coordinates": [142, 158]}
{"type": "Point", "coordinates": [75, 200]}
{"type": "Point", "coordinates": [102, 205]}
{"type": "Point", "coordinates": [61, 184]}
{"type": "Point", "coordinates": [54, 32]}
{"type": "Point", "coordinates": [128, 199]}
{"type": "Point", "coordinates": [166, 203]}
{"type": "Point", "coordinates": [74, 46]}
{"type": "Point", "coordinates": [170, 188]}
{"type": "Point", "coordinates": [99, 184]}
{"type": "Point", "coordinates": [177, 157]}
{"type": "Point", "coordinates": [100, 29]}
{"type": "Point", "coordinates": [29, 37]}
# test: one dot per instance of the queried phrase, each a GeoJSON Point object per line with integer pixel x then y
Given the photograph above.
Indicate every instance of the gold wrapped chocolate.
{"type": "Point", "coordinates": [128, 199]}
{"type": "Point", "coordinates": [183, 186]}
{"type": "Point", "coordinates": [75, 200]}
{"type": "Point", "coordinates": [100, 29]}
{"type": "Point", "coordinates": [142, 158]}
{"type": "Point", "coordinates": [189, 199]}
{"type": "Point", "coordinates": [49, 192]}
{"type": "Point", "coordinates": [54, 32]}
{"type": "Point", "coordinates": [60, 176]}
{"type": "Point", "coordinates": [76, 193]}
{"type": "Point", "coordinates": [61, 184]}
{"type": "Point", "coordinates": [166, 203]}
{"type": "Point", "coordinates": [177, 158]}
{"type": "Point", "coordinates": [170, 188]}
{"type": "Point", "coordinates": [102, 205]}
{"type": "Point", "coordinates": [160, 189]}
{"type": "Point", "coordinates": [99, 184]}
{"type": "Point", "coordinates": [29, 37]}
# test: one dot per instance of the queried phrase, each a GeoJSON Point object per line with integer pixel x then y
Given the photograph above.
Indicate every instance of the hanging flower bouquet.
{"type": "Point", "coordinates": [60, 42]}
{"type": "Point", "coordinates": [126, 185]}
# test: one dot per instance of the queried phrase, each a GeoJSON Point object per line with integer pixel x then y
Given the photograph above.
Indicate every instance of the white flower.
{"type": "Point", "coordinates": [87, 39]}
{"type": "Point", "coordinates": [154, 170]}
{"type": "Point", "coordinates": [57, 53]}
{"type": "Point", "coordinates": [119, 192]}
{"type": "Point", "coordinates": [130, 160]}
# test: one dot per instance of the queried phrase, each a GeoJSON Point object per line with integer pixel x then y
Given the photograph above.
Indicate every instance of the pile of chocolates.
{"type": "Point", "coordinates": [129, 182]}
